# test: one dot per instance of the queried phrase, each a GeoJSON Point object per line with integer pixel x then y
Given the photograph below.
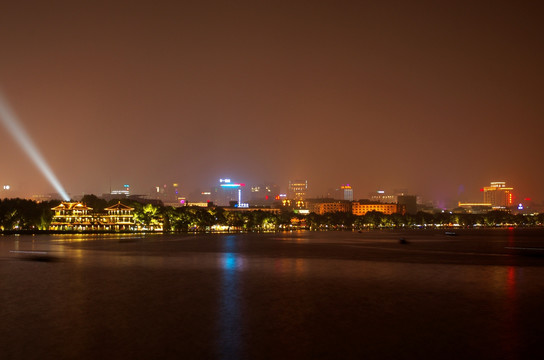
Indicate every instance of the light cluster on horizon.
{"type": "Point", "coordinates": [228, 192]}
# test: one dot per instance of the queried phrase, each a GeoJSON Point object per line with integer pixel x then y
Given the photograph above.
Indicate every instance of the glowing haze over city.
{"type": "Point", "coordinates": [437, 98]}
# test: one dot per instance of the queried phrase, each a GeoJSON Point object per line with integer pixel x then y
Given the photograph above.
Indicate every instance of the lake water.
{"type": "Point", "coordinates": [299, 295]}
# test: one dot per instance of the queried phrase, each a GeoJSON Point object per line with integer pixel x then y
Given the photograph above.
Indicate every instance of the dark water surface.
{"type": "Point", "coordinates": [301, 295]}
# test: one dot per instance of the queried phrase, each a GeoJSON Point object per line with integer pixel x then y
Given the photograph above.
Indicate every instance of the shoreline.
{"type": "Point", "coordinates": [124, 232]}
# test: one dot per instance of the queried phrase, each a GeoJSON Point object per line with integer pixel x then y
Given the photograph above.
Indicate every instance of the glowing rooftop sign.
{"type": "Point", "coordinates": [227, 183]}
{"type": "Point", "coordinates": [232, 185]}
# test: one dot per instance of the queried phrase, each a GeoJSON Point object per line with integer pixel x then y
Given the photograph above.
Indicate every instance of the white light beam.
{"type": "Point", "coordinates": [14, 127]}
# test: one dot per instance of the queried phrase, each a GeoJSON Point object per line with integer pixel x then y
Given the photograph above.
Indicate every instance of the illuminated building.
{"type": "Point", "coordinates": [498, 195]}
{"type": "Point", "coordinates": [198, 204]}
{"type": "Point", "coordinates": [358, 208]}
{"type": "Point", "coordinates": [293, 204]}
{"type": "Point", "coordinates": [125, 192]}
{"type": "Point", "coordinates": [348, 192]}
{"type": "Point", "coordinates": [298, 189]}
{"type": "Point", "coordinates": [383, 197]}
{"type": "Point", "coordinates": [331, 207]}
{"type": "Point", "coordinates": [119, 217]}
{"type": "Point", "coordinates": [117, 194]}
{"type": "Point", "coordinates": [168, 194]}
{"type": "Point", "coordinates": [473, 208]}
{"type": "Point", "coordinates": [76, 216]}
{"type": "Point", "coordinates": [199, 196]}
{"type": "Point", "coordinates": [263, 194]}
{"type": "Point", "coordinates": [255, 208]}
{"type": "Point", "coordinates": [72, 216]}
{"type": "Point", "coordinates": [228, 192]}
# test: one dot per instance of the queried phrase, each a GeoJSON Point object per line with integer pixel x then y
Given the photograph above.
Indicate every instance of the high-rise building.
{"type": "Point", "coordinates": [168, 194]}
{"type": "Point", "coordinates": [263, 194]}
{"type": "Point", "coordinates": [298, 189]}
{"type": "Point", "coordinates": [348, 192]}
{"type": "Point", "coordinates": [125, 192]}
{"type": "Point", "coordinates": [409, 201]}
{"type": "Point", "coordinates": [228, 193]}
{"type": "Point", "coordinates": [383, 197]}
{"type": "Point", "coordinates": [498, 195]}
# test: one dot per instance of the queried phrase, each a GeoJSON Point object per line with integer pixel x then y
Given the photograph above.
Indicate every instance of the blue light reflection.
{"type": "Point", "coordinates": [230, 323]}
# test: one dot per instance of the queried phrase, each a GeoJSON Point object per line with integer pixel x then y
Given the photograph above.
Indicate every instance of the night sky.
{"type": "Point", "coordinates": [435, 97]}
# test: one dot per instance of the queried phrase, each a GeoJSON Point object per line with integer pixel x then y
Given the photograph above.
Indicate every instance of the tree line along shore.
{"type": "Point", "coordinates": [27, 216]}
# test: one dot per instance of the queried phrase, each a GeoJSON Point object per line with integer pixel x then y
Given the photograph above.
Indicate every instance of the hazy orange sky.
{"type": "Point", "coordinates": [436, 97]}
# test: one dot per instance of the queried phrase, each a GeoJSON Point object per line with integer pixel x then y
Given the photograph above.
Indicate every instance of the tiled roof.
{"type": "Point", "coordinates": [65, 205]}
{"type": "Point", "coordinates": [119, 206]}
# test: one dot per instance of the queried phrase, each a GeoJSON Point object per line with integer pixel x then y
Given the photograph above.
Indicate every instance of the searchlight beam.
{"type": "Point", "coordinates": [14, 127]}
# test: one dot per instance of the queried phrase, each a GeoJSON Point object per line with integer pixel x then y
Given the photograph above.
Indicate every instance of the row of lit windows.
{"type": "Point", "coordinates": [70, 212]}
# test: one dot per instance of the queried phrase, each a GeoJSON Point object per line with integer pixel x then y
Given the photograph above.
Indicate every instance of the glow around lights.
{"type": "Point", "coordinates": [232, 185]}
{"type": "Point", "coordinates": [13, 126]}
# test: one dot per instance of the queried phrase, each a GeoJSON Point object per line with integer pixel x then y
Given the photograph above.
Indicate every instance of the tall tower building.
{"type": "Point", "coordinates": [348, 192]}
{"type": "Point", "coordinates": [227, 193]}
{"type": "Point", "coordinates": [498, 195]}
{"type": "Point", "coordinates": [298, 189]}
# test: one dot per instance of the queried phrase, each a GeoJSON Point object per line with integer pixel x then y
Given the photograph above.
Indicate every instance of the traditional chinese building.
{"type": "Point", "coordinates": [119, 217]}
{"type": "Point", "coordinates": [72, 216]}
{"type": "Point", "coordinates": [76, 216]}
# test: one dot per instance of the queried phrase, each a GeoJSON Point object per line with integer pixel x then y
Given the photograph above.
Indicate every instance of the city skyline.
{"type": "Point", "coordinates": [172, 193]}
{"type": "Point", "coordinates": [440, 99]}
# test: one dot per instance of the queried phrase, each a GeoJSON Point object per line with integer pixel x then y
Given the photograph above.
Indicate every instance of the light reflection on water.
{"type": "Point", "coordinates": [511, 329]}
{"type": "Point", "coordinates": [227, 293]}
{"type": "Point", "coordinates": [295, 266]}
{"type": "Point", "coordinates": [230, 313]}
